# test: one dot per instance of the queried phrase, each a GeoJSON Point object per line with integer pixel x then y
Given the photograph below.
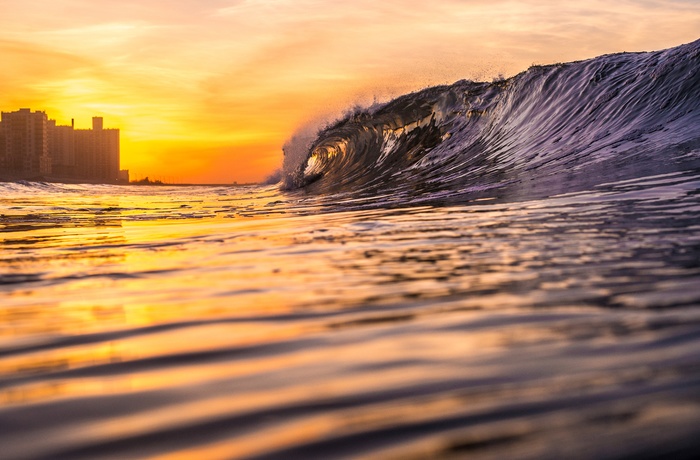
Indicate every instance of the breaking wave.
{"type": "Point", "coordinates": [550, 129]}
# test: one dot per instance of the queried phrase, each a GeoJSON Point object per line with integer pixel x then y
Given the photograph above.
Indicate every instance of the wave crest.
{"type": "Point", "coordinates": [584, 122]}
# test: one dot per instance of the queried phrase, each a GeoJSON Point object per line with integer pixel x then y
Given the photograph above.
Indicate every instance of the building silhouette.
{"type": "Point", "coordinates": [62, 148]}
{"type": "Point", "coordinates": [32, 146]}
{"type": "Point", "coordinates": [25, 143]}
{"type": "Point", "coordinates": [97, 152]}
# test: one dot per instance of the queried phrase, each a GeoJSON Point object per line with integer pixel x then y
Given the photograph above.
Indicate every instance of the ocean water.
{"type": "Point", "coordinates": [481, 270]}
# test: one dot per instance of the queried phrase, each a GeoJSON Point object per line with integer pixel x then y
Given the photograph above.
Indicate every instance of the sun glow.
{"type": "Point", "coordinates": [210, 91]}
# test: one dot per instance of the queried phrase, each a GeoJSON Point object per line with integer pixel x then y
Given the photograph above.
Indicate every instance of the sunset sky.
{"type": "Point", "coordinates": [209, 90]}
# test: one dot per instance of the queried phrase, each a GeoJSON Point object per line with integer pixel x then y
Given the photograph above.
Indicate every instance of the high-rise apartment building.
{"type": "Point", "coordinates": [97, 152]}
{"type": "Point", "coordinates": [25, 143]}
{"type": "Point", "coordinates": [62, 149]}
{"type": "Point", "coordinates": [32, 146]}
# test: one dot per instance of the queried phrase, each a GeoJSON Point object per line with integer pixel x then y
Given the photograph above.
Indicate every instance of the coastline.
{"type": "Point", "coordinates": [69, 181]}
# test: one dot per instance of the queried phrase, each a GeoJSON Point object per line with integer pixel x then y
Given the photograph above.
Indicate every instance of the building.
{"type": "Point", "coordinates": [25, 144]}
{"type": "Point", "coordinates": [62, 149]}
{"type": "Point", "coordinates": [124, 176]}
{"type": "Point", "coordinates": [33, 146]}
{"type": "Point", "coordinates": [97, 152]}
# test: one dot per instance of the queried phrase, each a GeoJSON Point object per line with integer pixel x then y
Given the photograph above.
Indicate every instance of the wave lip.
{"type": "Point", "coordinates": [547, 130]}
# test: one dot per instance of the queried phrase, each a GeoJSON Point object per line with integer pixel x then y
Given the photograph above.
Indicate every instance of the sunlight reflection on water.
{"type": "Point", "coordinates": [236, 322]}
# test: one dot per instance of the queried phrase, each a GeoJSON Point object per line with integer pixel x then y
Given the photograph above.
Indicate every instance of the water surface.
{"type": "Point", "coordinates": [245, 322]}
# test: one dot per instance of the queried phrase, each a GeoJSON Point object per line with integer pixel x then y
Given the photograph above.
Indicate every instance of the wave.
{"type": "Point", "coordinates": [551, 129]}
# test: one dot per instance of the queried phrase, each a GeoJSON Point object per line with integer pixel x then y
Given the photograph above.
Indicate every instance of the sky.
{"type": "Point", "coordinates": [208, 91]}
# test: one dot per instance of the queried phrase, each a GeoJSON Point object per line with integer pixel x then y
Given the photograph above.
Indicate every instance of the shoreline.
{"type": "Point", "coordinates": [68, 181]}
